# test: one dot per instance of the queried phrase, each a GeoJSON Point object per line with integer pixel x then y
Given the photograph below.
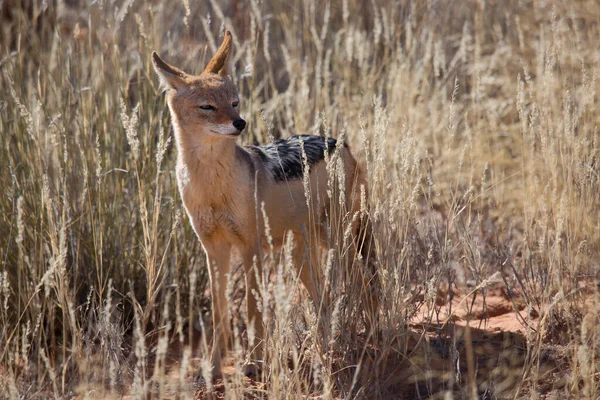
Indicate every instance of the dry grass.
{"type": "Point", "coordinates": [478, 126]}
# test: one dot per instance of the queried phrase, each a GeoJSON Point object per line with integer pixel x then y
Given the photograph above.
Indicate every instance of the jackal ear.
{"type": "Point", "coordinates": [218, 64]}
{"type": "Point", "coordinates": [170, 76]}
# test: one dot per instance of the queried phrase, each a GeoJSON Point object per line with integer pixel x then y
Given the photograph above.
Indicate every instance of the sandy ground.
{"type": "Point", "coordinates": [462, 342]}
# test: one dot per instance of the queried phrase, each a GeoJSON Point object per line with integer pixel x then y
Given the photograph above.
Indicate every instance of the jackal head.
{"type": "Point", "coordinates": [206, 104]}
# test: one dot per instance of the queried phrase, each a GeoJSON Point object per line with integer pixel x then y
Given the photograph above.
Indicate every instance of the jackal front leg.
{"type": "Point", "coordinates": [218, 254]}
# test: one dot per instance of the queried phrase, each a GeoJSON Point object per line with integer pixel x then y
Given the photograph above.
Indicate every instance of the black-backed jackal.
{"type": "Point", "coordinates": [224, 187]}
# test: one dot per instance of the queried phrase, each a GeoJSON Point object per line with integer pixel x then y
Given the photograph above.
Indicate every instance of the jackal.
{"type": "Point", "coordinates": [224, 188]}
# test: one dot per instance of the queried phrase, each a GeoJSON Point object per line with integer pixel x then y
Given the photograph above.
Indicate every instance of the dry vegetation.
{"type": "Point", "coordinates": [478, 125]}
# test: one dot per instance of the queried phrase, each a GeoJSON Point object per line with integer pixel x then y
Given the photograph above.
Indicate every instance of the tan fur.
{"type": "Point", "coordinates": [219, 182]}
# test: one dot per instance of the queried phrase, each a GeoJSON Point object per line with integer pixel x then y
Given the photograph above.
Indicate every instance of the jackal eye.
{"type": "Point", "coordinates": [235, 104]}
{"type": "Point", "coordinates": [207, 107]}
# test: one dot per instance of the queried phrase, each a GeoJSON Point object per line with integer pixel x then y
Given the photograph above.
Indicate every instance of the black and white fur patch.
{"type": "Point", "coordinates": [283, 157]}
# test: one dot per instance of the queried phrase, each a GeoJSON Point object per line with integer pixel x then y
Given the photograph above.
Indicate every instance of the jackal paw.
{"type": "Point", "coordinates": [253, 369]}
{"type": "Point", "coordinates": [200, 377]}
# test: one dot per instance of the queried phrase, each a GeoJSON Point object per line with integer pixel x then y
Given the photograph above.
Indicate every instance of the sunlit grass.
{"type": "Point", "coordinates": [477, 126]}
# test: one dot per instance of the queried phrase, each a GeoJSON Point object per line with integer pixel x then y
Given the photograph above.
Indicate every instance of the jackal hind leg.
{"type": "Point", "coordinates": [363, 273]}
{"type": "Point", "coordinates": [254, 276]}
{"type": "Point", "coordinates": [307, 259]}
{"type": "Point", "coordinates": [310, 270]}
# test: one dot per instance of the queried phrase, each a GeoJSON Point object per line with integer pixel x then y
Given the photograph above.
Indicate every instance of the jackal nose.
{"type": "Point", "coordinates": [239, 124]}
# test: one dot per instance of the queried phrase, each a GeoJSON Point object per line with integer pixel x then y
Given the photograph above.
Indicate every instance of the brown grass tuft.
{"type": "Point", "coordinates": [477, 124]}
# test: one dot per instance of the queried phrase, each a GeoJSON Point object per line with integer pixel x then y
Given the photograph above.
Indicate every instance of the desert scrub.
{"type": "Point", "coordinates": [478, 128]}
